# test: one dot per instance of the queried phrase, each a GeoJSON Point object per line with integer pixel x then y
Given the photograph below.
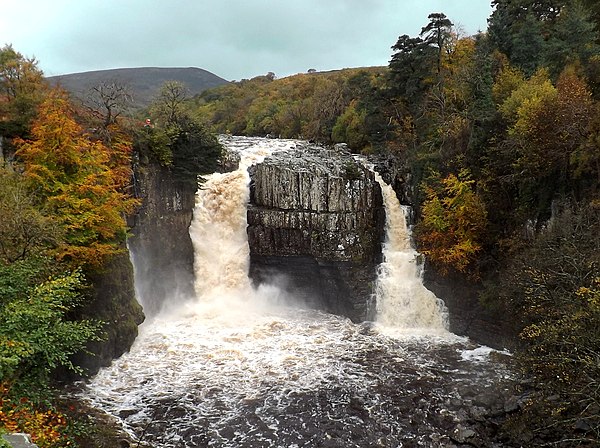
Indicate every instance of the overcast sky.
{"type": "Point", "coordinates": [234, 39]}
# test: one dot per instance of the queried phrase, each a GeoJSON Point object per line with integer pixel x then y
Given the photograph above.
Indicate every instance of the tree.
{"type": "Point", "coordinates": [349, 128]}
{"type": "Point", "coordinates": [437, 34]}
{"type": "Point", "coordinates": [22, 88]}
{"type": "Point", "coordinates": [518, 29]}
{"type": "Point", "coordinates": [36, 335]}
{"type": "Point", "coordinates": [552, 286]}
{"type": "Point", "coordinates": [410, 70]}
{"type": "Point", "coordinates": [24, 230]}
{"type": "Point", "coordinates": [574, 39]}
{"type": "Point", "coordinates": [169, 105]}
{"type": "Point", "coordinates": [78, 181]}
{"type": "Point", "coordinates": [453, 223]}
{"type": "Point", "coordinates": [195, 151]}
{"type": "Point", "coordinates": [178, 140]}
{"type": "Point", "coordinates": [107, 101]}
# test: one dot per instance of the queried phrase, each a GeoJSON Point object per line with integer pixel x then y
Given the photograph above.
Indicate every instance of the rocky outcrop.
{"type": "Point", "coordinates": [468, 317]}
{"type": "Point", "coordinates": [315, 223]}
{"type": "Point", "coordinates": [112, 301]}
{"type": "Point", "coordinates": [160, 244]}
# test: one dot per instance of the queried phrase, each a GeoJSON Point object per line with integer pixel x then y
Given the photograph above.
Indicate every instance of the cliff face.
{"type": "Point", "coordinates": [113, 302]}
{"type": "Point", "coordinates": [315, 223]}
{"type": "Point", "coordinates": [160, 246]}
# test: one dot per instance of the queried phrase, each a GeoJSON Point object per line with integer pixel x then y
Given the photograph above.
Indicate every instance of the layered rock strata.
{"type": "Point", "coordinates": [160, 245]}
{"type": "Point", "coordinates": [315, 224]}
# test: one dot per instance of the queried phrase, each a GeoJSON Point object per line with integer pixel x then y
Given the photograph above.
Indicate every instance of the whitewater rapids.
{"type": "Point", "coordinates": [244, 367]}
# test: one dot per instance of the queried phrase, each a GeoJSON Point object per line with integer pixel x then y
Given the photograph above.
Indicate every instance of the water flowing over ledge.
{"type": "Point", "coordinates": [249, 367]}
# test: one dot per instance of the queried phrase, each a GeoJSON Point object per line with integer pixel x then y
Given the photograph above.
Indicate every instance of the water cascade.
{"type": "Point", "coordinates": [238, 367]}
{"type": "Point", "coordinates": [402, 300]}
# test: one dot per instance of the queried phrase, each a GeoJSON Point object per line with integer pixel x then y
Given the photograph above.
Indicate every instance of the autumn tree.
{"type": "Point", "coordinates": [453, 223]}
{"type": "Point", "coordinates": [79, 181]}
{"type": "Point", "coordinates": [22, 88]}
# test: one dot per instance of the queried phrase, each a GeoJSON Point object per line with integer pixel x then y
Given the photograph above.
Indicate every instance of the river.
{"type": "Point", "coordinates": [238, 366]}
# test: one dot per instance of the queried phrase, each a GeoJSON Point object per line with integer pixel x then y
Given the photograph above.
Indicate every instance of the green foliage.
{"type": "Point", "coordinates": [24, 229]}
{"type": "Point", "coordinates": [305, 106]}
{"type": "Point", "coordinates": [574, 39]}
{"type": "Point", "coordinates": [36, 335]}
{"type": "Point", "coordinates": [178, 140]}
{"type": "Point", "coordinates": [195, 151]}
{"type": "Point", "coordinates": [350, 128]}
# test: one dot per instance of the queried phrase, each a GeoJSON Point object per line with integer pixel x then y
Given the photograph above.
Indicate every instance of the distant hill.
{"type": "Point", "coordinates": [144, 82]}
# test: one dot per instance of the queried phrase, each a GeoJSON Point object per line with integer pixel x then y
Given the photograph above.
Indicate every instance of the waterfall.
{"type": "Point", "coordinates": [218, 232]}
{"type": "Point", "coordinates": [403, 302]}
{"type": "Point", "coordinates": [230, 370]}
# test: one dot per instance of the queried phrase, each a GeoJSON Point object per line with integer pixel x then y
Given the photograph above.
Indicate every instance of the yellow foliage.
{"type": "Point", "coordinates": [526, 100]}
{"type": "Point", "coordinates": [46, 427]}
{"type": "Point", "coordinates": [453, 223]}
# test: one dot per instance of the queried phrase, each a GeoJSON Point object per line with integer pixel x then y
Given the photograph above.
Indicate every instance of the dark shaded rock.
{"type": "Point", "coordinates": [113, 302]}
{"type": "Point", "coordinates": [315, 223]}
{"type": "Point", "coordinates": [462, 434]}
{"type": "Point", "coordinates": [161, 246]}
{"type": "Point", "coordinates": [468, 317]}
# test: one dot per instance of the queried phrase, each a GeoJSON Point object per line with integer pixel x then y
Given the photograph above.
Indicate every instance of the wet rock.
{"type": "Point", "coordinates": [316, 223]}
{"type": "Point", "coordinates": [112, 301]}
{"type": "Point", "coordinates": [513, 404]}
{"type": "Point", "coordinates": [582, 426]}
{"type": "Point", "coordinates": [463, 434]}
{"type": "Point", "coordinates": [161, 244]}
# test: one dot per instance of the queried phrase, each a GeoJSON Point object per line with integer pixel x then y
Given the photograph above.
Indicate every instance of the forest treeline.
{"type": "Point", "coordinates": [501, 132]}
{"type": "Point", "coordinates": [65, 195]}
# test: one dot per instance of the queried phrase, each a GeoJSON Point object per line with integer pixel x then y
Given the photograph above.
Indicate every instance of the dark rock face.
{"type": "Point", "coordinates": [161, 246]}
{"type": "Point", "coordinates": [113, 302]}
{"type": "Point", "coordinates": [468, 317]}
{"type": "Point", "coordinates": [316, 223]}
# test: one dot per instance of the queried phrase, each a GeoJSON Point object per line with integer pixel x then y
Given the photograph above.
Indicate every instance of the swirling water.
{"type": "Point", "coordinates": [243, 367]}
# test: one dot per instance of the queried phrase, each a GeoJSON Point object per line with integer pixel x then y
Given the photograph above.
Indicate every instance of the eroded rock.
{"type": "Point", "coordinates": [316, 223]}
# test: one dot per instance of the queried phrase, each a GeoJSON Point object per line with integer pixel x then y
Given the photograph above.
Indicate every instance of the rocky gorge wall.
{"type": "Point", "coordinates": [112, 301]}
{"type": "Point", "coordinates": [316, 223]}
{"type": "Point", "coordinates": [160, 244]}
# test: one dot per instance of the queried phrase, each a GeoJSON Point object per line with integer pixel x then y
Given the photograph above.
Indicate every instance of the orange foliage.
{"type": "Point", "coordinates": [46, 427]}
{"type": "Point", "coordinates": [453, 223]}
{"type": "Point", "coordinates": [81, 180]}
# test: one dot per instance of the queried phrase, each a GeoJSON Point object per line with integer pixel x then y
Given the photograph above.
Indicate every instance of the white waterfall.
{"type": "Point", "coordinates": [218, 233]}
{"type": "Point", "coordinates": [402, 300]}
{"type": "Point", "coordinates": [228, 370]}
